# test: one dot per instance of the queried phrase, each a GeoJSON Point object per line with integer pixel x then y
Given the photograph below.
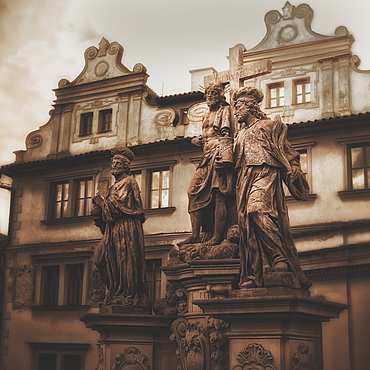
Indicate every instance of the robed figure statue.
{"type": "Point", "coordinates": [264, 160]}
{"type": "Point", "coordinates": [120, 256]}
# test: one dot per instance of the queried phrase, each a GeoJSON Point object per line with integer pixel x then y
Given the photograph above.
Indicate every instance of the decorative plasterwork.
{"type": "Point", "coordinates": [102, 63]}
{"type": "Point", "coordinates": [290, 28]}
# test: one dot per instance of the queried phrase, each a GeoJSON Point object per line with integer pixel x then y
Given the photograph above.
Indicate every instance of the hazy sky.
{"type": "Point", "coordinates": [43, 41]}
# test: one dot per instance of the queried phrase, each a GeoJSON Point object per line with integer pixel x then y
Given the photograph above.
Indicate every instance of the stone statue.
{"type": "Point", "coordinates": [120, 255]}
{"type": "Point", "coordinates": [264, 160]}
{"type": "Point", "coordinates": [210, 186]}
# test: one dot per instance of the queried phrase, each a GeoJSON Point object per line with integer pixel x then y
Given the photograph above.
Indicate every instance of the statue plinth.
{"type": "Point", "coordinates": [139, 341]}
{"type": "Point", "coordinates": [278, 328]}
{"type": "Point", "coordinates": [275, 327]}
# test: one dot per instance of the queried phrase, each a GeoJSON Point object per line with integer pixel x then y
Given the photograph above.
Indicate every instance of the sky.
{"type": "Point", "coordinates": [43, 41]}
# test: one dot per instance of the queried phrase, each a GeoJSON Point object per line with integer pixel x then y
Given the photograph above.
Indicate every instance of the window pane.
{"type": "Point", "coordinates": [308, 87]}
{"type": "Point", "coordinates": [299, 99]}
{"type": "Point", "coordinates": [47, 361]}
{"type": "Point", "coordinates": [65, 191]}
{"type": "Point", "coordinates": [273, 103]}
{"type": "Point", "coordinates": [89, 188]}
{"type": "Point", "coordinates": [138, 177]}
{"type": "Point", "coordinates": [308, 97]}
{"type": "Point", "coordinates": [80, 207]}
{"type": "Point", "coordinates": [165, 179]}
{"type": "Point", "coordinates": [154, 278]}
{"type": "Point", "coordinates": [81, 189]}
{"type": "Point", "coordinates": [154, 201]}
{"type": "Point", "coordinates": [58, 192]}
{"type": "Point", "coordinates": [358, 179]}
{"type": "Point", "coordinates": [273, 93]}
{"type": "Point", "coordinates": [71, 362]}
{"type": "Point", "coordinates": [281, 102]}
{"type": "Point", "coordinates": [357, 157]}
{"type": "Point", "coordinates": [50, 285]}
{"type": "Point", "coordinates": [367, 148]}
{"type": "Point", "coordinates": [165, 198]}
{"type": "Point", "coordinates": [74, 279]}
{"type": "Point", "coordinates": [281, 91]}
{"type": "Point", "coordinates": [57, 210]}
{"type": "Point", "coordinates": [155, 180]}
{"type": "Point", "coordinates": [303, 160]}
{"type": "Point", "coordinates": [299, 88]}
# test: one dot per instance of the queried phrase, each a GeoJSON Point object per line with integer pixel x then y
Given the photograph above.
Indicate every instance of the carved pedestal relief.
{"type": "Point", "coordinates": [255, 357]}
{"type": "Point", "coordinates": [131, 359]}
{"type": "Point", "coordinates": [218, 339]}
{"type": "Point", "coordinates": [190, 340]}
{"type": "Point", "coordinates": [303, 359]}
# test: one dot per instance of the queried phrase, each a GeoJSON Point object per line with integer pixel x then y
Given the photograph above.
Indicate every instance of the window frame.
{"type": "Point", "coordinates": [365, 167]}
{"type": "Point", "coordinates": [347, 143]}
{"type": "Point", "coordinates": [155, 284]}
{"type": "Point", "coordinates": [62, 260]}
{"type": "Point", "coordinates": [71, 211]}
{"type": "Point", "coordinates": [302, 81]}
{"type": "Point", "coordinates": [145, 187]}
{"type": "Point", "coordinates": [59, 349]}
{"type": "Point", "coordinates": [86, 124]}
{"type": "Point", "coordinates": [277, 86]}
{"type": "Point", "coordinates": [101, 120]}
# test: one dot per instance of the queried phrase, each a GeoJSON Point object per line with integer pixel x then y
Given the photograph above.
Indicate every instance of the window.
{"type": "Point", "coordinates": [155, 186]}
{"type": "Point", "coordinates": [58, 356]}
{"type": "Point", "coordinates": [105, 120]}
{"type": "Point", "coordinates": [159, 189]}
{"type": "Point", "coordinates": [61, 280]}
{"type": "Point", "coordinates": [70, 198]}
{"type": "Point", "coordinates": [83, 197]}
{"type": "Point", "coordinates": [302, 90]}
{"type": "Point", "coordinates": [60, 199]}
{"type": "Point", "coordinates": [276, 95]}
{"type": "Point", "coordinates": [359, 166]}
{"type": "Point", "coordinates": [153, 273]}
{"type": "Point", "coordinates": [86, 124]}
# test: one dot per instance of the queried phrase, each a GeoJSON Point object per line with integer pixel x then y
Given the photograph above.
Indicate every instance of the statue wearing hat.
{"type": "Point", "coordinates": [120, 256]}
{"type": "Point", "coordinates": [264, 160]}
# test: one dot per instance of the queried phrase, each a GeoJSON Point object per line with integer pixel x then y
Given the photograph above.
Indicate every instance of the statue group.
{"type": "Point", "coordinates": [238, 181]}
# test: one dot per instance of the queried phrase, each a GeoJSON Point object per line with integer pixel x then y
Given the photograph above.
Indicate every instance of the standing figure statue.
{"type": "Point", "coordinates": [264, 160]}
{"type": "Point", "coordinates": [209, 186]}
{"type": "Point", "coordinates": [120, 257]}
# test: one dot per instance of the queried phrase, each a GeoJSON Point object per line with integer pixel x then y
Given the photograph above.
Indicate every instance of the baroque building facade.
{"type": "Point", "coordinates": [312, 81]}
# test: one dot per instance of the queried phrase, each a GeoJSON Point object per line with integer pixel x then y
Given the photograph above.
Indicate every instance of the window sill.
{"type": "Point", "coordinates": [61, 308]}
{"type": "Point", "coordinates": [67, 220]}
{"type": "Point", "coordinates": [354, 194]}
{"type": "Point", "coordinates": [159, 211]}
{"type": "Point", "coordinates": [290, 199]}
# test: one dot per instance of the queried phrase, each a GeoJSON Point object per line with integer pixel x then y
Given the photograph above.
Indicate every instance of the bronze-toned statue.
{"type": "Point", "coordinates": [209, 186]}
{"type": "Point", "coordinates": [264, 160]}
{"type": "Point", "coordinates": [120, 256]}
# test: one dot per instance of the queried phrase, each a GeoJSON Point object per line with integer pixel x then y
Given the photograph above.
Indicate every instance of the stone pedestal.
{"type": "Point", "coordinates": [133, 341]}
{"type": "Point", "coordinates": [278, 327]}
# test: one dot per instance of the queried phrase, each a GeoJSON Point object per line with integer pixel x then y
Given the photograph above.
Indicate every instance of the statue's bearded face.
{"type": "Point", "coordinates": [118, 165]}
{"type": "Point", "coordinates": [212, 97]}
{"type": "Point", "coordinates": [241, 111]}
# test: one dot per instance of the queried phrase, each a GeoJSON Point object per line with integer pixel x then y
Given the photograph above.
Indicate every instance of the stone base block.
{"type": "Point", "coordinates": [133, 341]}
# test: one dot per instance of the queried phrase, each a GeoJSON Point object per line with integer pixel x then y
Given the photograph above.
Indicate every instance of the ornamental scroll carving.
{"type": "Point", "coordinates": [190, 340]}
{"type": "Point", "coordinates": [33, 140]}
{"type": "Point", "coordinates": [131, 359]}
{"type": "Point", "coordinates": [255, 357]}
{"type": "Point", "coordinates": [218, 339]}
{"type": "Point", "coordinates": [175, 302]}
